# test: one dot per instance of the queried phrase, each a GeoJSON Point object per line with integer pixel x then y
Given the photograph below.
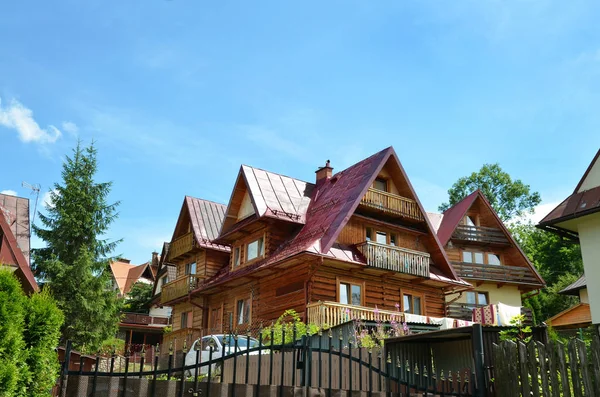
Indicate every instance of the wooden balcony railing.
{"type": "Point", "coordinates": [331, 314]}
{"type": "Point", "coordinates": [178, 288]}
{"type": "Point", "coordinates": [181, 245]}
{"type": "Point", "coordinates": [145, 319]}
{"type": "Point", "coordinates": [189, 335]}
{"type": "Point", "coordinates": [464, 311]}
{"type": "Point", "coordinates": [396, 259]}
{"type": "Point", "coordinates": [392, 203]}
{"type": "Point", "coordinates": [480, 234]}
{"type": "Point", "coordinates": [498, 273]}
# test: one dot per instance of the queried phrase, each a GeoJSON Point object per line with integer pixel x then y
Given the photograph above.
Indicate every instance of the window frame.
{"type": "Point", "coordinates": [485, 257]}
{"type": "Point", "coordinates": [350, 282]}
{"type": "Point", "coordinates": [384, 180]}
{"type": "Point", "coordinates": [237, 299]}
{"type": "Point", "coordinates": [237, 257]}
{"type": "Point", "coordinates": [476, 294]}
{"type": "Point", "coordinates": [260, 249]}
{"type": "Point", "coordinates": [413, 295]}
{"type": "Point", "coordinates": [187, 269]}
{"type": "Point", "coordinates": [186, 315]}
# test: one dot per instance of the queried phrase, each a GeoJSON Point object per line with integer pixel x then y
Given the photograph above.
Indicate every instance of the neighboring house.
{"type": "Point", "coordinates": [14, 239]}
{"type": "Point", "coordinates": [483, 252]}
{"type": "Point", "coordinates": [355, 244]}
{"type": "Point", "coordinates": [165, 272]}
{"type": "Point", "coordinates": [578, 218]}
{"type": "Point", "coordinates": [138, 328]}
{"type": "Point", "coordinates": [578, 316]}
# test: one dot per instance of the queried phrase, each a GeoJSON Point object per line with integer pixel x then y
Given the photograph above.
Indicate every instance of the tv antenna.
{"type": "Point", "coordinates": [35, 189]}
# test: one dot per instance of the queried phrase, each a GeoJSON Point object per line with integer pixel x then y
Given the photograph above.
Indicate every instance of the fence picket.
{"type": "Point", "coordinates": [499, 376]}
{"type": "Point", "coordinates": [533, 369]}
{"type": "Point", "coordinates": [551, 356]}
{"type": "Point", "coordinates": [583, 366]}
{"type": "Point", "coordinates": [596, 364]}
{"type": "Point", "coordinates": [572, 351]}
{"type": "Point", "coordinates": [525, 387]}
{"type": "Point", "coordinates": [543, 369]}
{"type": "Point", "coordinates": [562, 367]}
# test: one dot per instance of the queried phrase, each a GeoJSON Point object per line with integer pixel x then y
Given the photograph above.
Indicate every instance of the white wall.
{"type": "Point", "coordinates": [589, 238]}
{"type": "Point", "coordinates": [508, 294]}
{"type": "Point", "coordinates": [583, 296]}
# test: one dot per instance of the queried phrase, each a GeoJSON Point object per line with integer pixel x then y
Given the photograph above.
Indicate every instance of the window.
{"type": "Point", "coordinates": [190, 268]}
{"type": "Point", "coordinates": [236, 256]}
{"type": "Point", "coordinates": [478, 257]}
{"type": "Point", "coordinates": [412, 304]}
{"type": "Point", "coordinates": [493, 259]}
{"type": "Point", "coordinates": [164, 280]}
{"type": "Point", "coordinates": [350, 294]}
{"type": "Point", "coordinates": [467, 257]}
{"type": "Point", "coordinates": [392, 239]}
{"type": "Point", "coordinates": [381, 237]}
{"type": "Point", "coordinates": [215, 319]}
{"type": "Point", "coordinates": [369, 233]}
{"type": "Point", "coordinates": [380, 184]}
{"type": "Point", "coordinates": [186, 319]}
{"type": "Point", "coordinates": [477, 298]}
{"type": "Point", "coordinates": [242, 311]}
{"type": "Point", "coordinates": [470, 221]}
{"type": "Point", "coordinates": [255, 249]}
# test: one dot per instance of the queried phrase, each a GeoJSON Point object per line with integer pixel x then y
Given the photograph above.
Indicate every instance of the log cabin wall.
{"type": "Point", "coordinates": [186, 307]}
{"type": "Point", "coordinates": [355, 233]}
{"type": "Point", "coordinates": [381, 291]}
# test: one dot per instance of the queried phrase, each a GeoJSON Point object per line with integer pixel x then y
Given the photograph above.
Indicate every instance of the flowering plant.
{"type": "Point", "coordinates": [373, 337]}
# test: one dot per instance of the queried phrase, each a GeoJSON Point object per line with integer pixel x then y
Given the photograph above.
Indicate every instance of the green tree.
{"type": "Point", "coordinates": [510, 199]}
{"type": "Point", "coordinates": [74, 263]}
{"type": "Point", "coordinates": [138, 298]}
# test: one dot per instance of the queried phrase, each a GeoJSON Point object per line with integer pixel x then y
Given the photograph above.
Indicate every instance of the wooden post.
{"type": "Point", "coordinates": [478, 359]}
{"type": "Point", "coordinates": [65, 373]}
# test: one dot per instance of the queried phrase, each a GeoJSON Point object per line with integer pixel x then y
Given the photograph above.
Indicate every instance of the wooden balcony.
{"type": "Point", "coordinates": [181, 246]}
{"type": "Point", "coordinates": [178, 288]}
{"type": "Point", "coordinates": [331, 314]}
{"type": "Point", "coordinates": [497, 273]}
{"type": "Point", "coordinates": [187, 335]}
{"type": "Point", "coordinates": [392, 204]}
{"type": "Point", "coordinates": [464, 311]}
{"type": "Point", "coordinates": [145, 319]}
{"type": "Point", "coordinates": [480, 234]}
{"type": "Point", "coordinates": [396, 259]}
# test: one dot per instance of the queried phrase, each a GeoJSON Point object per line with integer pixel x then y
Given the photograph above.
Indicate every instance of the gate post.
{"type": "Point", "coordinates": [65, 370]}
{"type": "Point", "coordinates": [478, 360]}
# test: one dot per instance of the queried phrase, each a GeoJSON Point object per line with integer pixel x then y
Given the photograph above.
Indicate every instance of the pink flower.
{"type": "Point", "coordinates": [397, 306]}
{"type": "Point", "coordinates": [376, 310]}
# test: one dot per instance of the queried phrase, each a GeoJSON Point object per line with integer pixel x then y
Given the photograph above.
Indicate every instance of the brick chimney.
{"type": "Point", "coordinates": [324, 173]}
{"type": "Point", "coordinates": [154, 258]}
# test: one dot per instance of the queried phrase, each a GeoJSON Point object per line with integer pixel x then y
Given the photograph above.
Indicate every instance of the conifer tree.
{"type": "Point", "coordinates": [74, 263]}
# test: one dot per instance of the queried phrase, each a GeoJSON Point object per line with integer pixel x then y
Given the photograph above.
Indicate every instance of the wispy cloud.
{"type": "Point", "coordinates": [47, 198]}
{"type": "Point", "coordinates": [9, 192]}
{"type": "Point", "coordinates": [70, 127]}
{"type": "Point", "coordinates": [16, 116]}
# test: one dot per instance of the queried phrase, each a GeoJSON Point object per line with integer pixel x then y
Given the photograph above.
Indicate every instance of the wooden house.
{"type": "Point", "coordinates": [483, 252]}
{"type": "Point", "coordinates": [577, 316]}
{"type": "Point", "coordinates": [349, 245]}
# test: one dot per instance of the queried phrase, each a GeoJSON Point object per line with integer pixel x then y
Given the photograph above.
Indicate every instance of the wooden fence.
{"type": "Point", "coordinates": [550, 369]}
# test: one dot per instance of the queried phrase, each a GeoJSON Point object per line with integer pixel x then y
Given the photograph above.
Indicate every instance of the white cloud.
{"type": "Point", "coordinates": [20, 118]}
{"type": "Point", "coordinates": [540, 211]}
{"type": "Point", "coordinates": [47, 198]}
{"type": "Point", "coordinates": [9, 192]}
{"type": "Point", "coordinates": [70, 127]}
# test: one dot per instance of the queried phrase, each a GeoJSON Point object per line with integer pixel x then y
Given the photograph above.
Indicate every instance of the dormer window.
{"type": "Point", "coordinates": [236, 256]}
{"type": "Point", "coordinates": [380, 184]}
{"type": "Point", "coordinates": [255, 249]}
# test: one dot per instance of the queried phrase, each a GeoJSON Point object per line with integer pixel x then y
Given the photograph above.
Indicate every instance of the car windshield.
{"type": "Point", "coordinates": [242, 341]}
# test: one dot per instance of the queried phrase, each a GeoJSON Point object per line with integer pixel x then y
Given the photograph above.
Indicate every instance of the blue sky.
{"type": "Point", "coordinates": [179, 93]}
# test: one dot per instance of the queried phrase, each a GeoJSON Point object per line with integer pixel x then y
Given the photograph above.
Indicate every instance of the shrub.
{"type": "Point", "coordinates": [112, 346]}
{"type": "Point", "coordinates": [281, 325]}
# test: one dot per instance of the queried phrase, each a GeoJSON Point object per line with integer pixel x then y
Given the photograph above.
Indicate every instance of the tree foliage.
{"type": "Point", "coordinates": [74, 263]}
{"type": "Point", "coordinates": [138, 298]}
{"type": "Point", "coordinates": [510, 199]}
{"type": "Point", "coordinates": [30, 330]}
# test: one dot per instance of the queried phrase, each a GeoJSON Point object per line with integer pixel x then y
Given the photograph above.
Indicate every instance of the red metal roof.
{"type": "Point", "coordinates": [11, 254]}
{"type": "Point", "coordinates": [206, 218]}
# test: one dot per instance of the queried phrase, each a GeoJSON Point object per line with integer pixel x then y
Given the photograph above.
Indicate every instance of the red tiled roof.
{"type": "Point", "coordinates": [206, 218]}
{"type": "Point", "coordinates": [11, 254]}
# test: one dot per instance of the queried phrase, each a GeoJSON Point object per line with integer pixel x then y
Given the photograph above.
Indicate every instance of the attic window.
{"type": "Point", "coordinates": [380, 184]}
{"type": "Point", "coordinates": [255, 249]}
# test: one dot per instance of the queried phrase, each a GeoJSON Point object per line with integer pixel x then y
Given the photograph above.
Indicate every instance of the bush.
{"type": "Point", "coordinates": [112, 346]}
{"type": "Point", "coordinates": [30, 329]}
{"type": "Point", "coordinates": [281, 326]}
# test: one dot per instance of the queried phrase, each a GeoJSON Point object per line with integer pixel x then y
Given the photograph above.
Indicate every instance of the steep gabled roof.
{"type": "Point", "coordinates": [206, 218]}
{"type": "Point", "coordinates": [11, 254]}
{"type": "Point", "coordinates": [126, 274]}
{"type": "Point", "coordinates": [272, 195]}
{"type": "Point", "coordinates": [454, 214]}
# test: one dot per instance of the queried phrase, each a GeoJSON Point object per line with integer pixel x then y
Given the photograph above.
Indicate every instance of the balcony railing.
{"type": "Point", "coordinates": [396, 259]}
{"type": "Point", "coordinates": [187, 335]}
{"type": "Point", "coordinates": [145, 319]}
{"type": "Point", "coordinates": [498, 273]}
{"type": "Point", "coordinates": [480, 234]}
{"type": "Point", "coordinates": [464, 311]}
{"type": "Point", "coordinates": [178, 288]}
{"type": "Point", "coordinates": [392, 203]}
{"type": "Point", "coordinates": [181, 245]}
{"type": "Point", "coordinates": [331, 314]}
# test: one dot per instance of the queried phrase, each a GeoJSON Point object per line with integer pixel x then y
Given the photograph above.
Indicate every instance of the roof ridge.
{"type": "Point", "coordinates": [209, 201]}
{"type": "Point", "coordinates": [276, 173]}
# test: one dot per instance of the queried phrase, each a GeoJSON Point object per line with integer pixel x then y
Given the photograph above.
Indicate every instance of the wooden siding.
{"type": "Point", "coordinates": [355, 233]}
{"type": "Point", "coordinates": [576, 316]}
{"type": "Point", "coordinates": [396, 259]}
{"type": "Point", "coordinates": [392, 204]}
{"type": "Point", "coordinates": [383, 292]}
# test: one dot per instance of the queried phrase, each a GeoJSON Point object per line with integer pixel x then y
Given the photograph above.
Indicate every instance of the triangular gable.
{"type": "Point", "coordinates": [454, 215]}
{"type": "Point", "coordinates": [205, 217]}
{"type": "Point", "coordinates": [135, 273]}
{"type": "Point", "coordinates": [591, 177]}
{"type": "Point", "coordinates": [11, 254]}
{"type": "Point", "coordinates": [271, 195]}
{"type": "Point", "coordinates": [336, 199]}
{"type": "Point", "coordinates": [574, 317]}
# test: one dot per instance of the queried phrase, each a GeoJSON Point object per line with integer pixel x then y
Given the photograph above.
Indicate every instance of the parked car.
{"type": "Point", "coordinates": [220, 345]}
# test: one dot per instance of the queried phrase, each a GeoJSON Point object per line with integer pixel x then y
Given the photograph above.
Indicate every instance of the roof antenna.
{"type": "Point", "coordinates": [35, 188]}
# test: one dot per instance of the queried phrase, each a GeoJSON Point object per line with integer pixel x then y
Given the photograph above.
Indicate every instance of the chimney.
{"type": "Point", "coordinates": [324, 173]}
{"type": "Point", "coordinates": [154, 258]}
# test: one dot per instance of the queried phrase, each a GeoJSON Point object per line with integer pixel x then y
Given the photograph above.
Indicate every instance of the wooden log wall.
{"type": "Point", "coordinates": [355, 232]}
{"type": "Point", "coordinates": [381, 291]}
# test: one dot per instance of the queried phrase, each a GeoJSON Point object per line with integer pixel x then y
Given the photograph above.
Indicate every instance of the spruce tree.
{"type": "Point", "coordinates": [75, 262]}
